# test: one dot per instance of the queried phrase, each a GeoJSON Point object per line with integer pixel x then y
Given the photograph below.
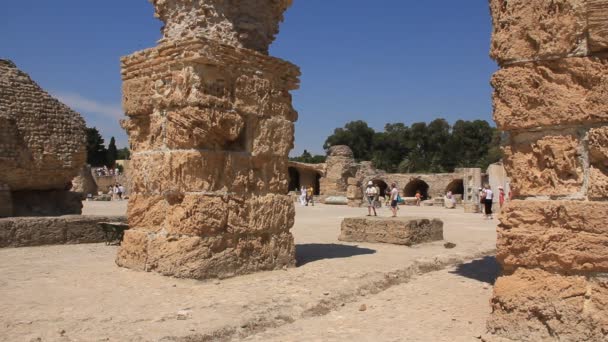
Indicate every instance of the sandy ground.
{"type": "Point", "coordinates": [76, 293]}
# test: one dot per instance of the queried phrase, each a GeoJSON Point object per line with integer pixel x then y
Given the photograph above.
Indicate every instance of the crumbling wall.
{"type": "Point", "coordinates": [210, 127]}
{"type": "Point", "coordinates": [551, 96]}
{"type": "Point", "coordinates": [340, 165]}
{"type": "Point", "coordinates": [42, 148]}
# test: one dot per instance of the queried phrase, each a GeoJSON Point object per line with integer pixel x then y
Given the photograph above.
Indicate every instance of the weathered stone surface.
{"type": "Point", "coordinates": [554, 235]}
{"type": "Point", "coordinates": [84, 183]}
{"type": "Point", "coordinates": [42, 141]}
{"type": "Point", "coordinates": [336, 200]}
{"type": "Point", "coordinates": [548, 93]}
{"type": "Point", "coordinates": [535, 305]}
{"type": "Point", "coordinates": [400, 231]}
{"type": "Point", "coordinates": [598, 159]}
{"type": "Point", "coordinates": [6, 201]}
{"type": "Point", "coordinates": [546, 164]}
{"type": "Point", "coordinates": [38, 231]}
{"type": "Point", "coordinates": [250, 24]}
{"type": "Point", "coordinates": [597, 19]}
{"type": "Point", "coordinates": [211, 126]}
{"type": "Point", "coordinates": [46, 203]}
{"type": "Point", "coordinates": [529, 29]}
{"type": "Point", "coordinates": [340, 166]}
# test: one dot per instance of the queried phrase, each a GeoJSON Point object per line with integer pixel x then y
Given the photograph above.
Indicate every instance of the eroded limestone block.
{"type": "Point", "coordinates": [340, 167]}
{"type": "Point", "coordinates": [551, 93]}
{"type": "Point", "coordinates": [84, 183]}
{"type": "Point", "coordinates": [598, 159]}
{"type": "Point", "coordinates": [554, 235]}
{"type": "Point", "coordinates": [535, 305]}
{"type": "Point", "coordinates": [42, 141]}
{"type": "Point", "coordinates": [400, 231]}
{"type": "Point", "coordinates": [39, 231]}
{"type": "Point", "coordinates": [250, 24]}
{"type": "Point", "coordinates": [528, 29]}
{"type": "Point", "coordinates": [597, 17]}
{"type": "Point", "coordinates": [544, 164]}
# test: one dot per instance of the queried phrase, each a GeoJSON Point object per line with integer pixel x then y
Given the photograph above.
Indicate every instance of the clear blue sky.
{"type": "Point", "coordinates": [382, 61]}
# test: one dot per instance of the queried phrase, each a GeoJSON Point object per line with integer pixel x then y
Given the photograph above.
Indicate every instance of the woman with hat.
{"type": "Point", "coordinates": [370, 194]}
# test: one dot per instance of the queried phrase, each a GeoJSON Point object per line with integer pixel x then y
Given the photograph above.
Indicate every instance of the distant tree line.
{"type": "Point", "coordinates": [433, 147]}
{"type": "Point", "coordinates": [308, 158]}
{"type": "Point", "coordinates": [99, 155]}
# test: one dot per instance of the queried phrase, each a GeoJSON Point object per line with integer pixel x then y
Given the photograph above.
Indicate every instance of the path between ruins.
{"type": "Point", "coordinates": [87, 298]}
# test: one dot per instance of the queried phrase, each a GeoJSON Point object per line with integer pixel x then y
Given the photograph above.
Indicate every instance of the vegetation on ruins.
{"type": "Point", "coordinates": [421, 147]}
{"type": "Point", "coordinates": [98, 154]}
{"type": "Point", "coordinates": [308, 158]}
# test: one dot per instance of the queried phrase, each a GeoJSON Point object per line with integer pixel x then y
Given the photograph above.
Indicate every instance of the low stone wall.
{"type": "Point", "coordinates": [39, 231]}
{"type": "Point", "coordinates": [400, 231]}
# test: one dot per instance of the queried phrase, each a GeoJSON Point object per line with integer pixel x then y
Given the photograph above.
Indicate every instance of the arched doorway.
{"type": "Point", "coordinates": [294, 179]}
{"type": "Point", "coordinates": [414, 186]}
{"type": "Point", "coordinates": [317, 184]}
{"type": "Point", "coordinates": [382, 186]}
{"type": "Point", "coordinates": [456, 187]}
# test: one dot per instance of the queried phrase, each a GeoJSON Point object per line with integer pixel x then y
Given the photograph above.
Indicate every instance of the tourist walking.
{"type": "Point", "coordinates": [488, 201]}
{"type": "Point", "coordinates": [310, 199]}
{"type": "Point", "coordinates": [303, 196]}
{"type": "Point", "coordinates": [501, 196]}
{"type": "Point", "coordinates": [121, 191]}
{"type": "Point", "coordinates": [418, 198]}
{"type": "Point", "coordinates": [394, 196]}
{"type": "Point", "coordinates": [370, 194]}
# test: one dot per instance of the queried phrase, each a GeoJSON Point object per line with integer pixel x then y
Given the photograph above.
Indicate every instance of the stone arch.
{"type": "Point", "coordinates": [456, 187]}
{"type": "Point", "coordinates": [382, 185]}
{"type": "Point", "coordinates": [415, 185]}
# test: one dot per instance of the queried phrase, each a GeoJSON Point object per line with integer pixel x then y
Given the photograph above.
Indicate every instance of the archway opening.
{"type": "Point", "coordinates": [414, 186]}
{"type": "Point", "coordinates": [317, 185]}
{"type": "Point", "coordinates": [456, 187]}
{"type": "Point", "coordinates": [294, 179]}
{"type": "Point", "coordinates": [382, 186]}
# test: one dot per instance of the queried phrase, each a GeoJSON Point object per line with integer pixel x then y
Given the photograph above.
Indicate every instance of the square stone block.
{"type": "Point", "coordinates": [535, 305]}
{"type": "Point", "coordinates": [568, 91]}
{"type": "Point", "coordinates": [399, 231]}
{"type": "Point", "coordinates": [598, 160]}
{"type": "Point", "coordinates": [531, 29]}
{"type": "Point", "coordinates": [545, 164]}
{"type": "Point", "coordinates": [554, 235]}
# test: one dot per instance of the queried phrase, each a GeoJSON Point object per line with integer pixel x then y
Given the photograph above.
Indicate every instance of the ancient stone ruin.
{"type": "Point", "coordinates": [210, 123]}
{"type": "Point", "coordinates": [42, 147]}
{"type": "Point", "coordinates": [551, 96]}
{"type": "Point", "coordinates": [406, 231]}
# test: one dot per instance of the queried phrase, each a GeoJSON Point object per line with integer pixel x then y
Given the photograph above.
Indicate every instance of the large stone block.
{"type": "Point", "coordinates": [598, 160]}
{"type": "Point", "coordinates": [400, 231]}
{"type": "Point", "coordinates": [42, 141]}
{"type": "Point", "coordinates": [545, 164]}
{"type": "Point", "coordinates": [550, 93]}
{"type": "Point", "coordinates": [531, 29]}
{"type": "Point", "coordinates": [597, 19]}
{"type": "Point", "coordinates": [212, 171]}
{"type": "Point", "coordinates": [38, 231]}
{"type": "Point", "coordinates": [535, 305]}
{"type": "Point", "coordinates": [554, 235]}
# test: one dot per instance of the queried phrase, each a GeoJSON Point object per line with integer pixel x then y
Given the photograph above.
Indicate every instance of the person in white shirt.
{"type": "Point", "coordinates": [370, 195]}
{"type": "Point", "coordinates": [394, 199]}
{"type": "Point", "coordinates": [488, 201]}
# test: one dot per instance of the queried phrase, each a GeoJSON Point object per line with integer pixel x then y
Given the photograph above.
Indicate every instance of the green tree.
{"type": "Point", "coordinates": [111, 153]}
{"type": "Point", "coordinates": [308, 158]}
{"type": "Point", "coordinates": [124, 154]}
{"type": "Point", "coordinates": [96, 151]}
{"type": "Point", "coordinates": [357, 135]}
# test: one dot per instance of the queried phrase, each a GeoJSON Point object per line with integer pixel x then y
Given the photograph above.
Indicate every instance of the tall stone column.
{"type": "Point", "coordinates": [210, 123]}
{"type": "Point", "coordinates": [551, 96]}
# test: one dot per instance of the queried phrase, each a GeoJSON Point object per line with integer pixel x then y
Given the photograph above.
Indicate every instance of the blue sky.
{"type": "Point", "coordinates": [382, 61]}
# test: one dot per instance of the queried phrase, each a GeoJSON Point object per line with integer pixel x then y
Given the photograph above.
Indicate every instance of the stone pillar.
{"type": "Point", "coordinates": [551, 97]}
{"type": "Point", "coordinates": [339, 166]}
{"type": "Point", "coordinates": [210, 124]}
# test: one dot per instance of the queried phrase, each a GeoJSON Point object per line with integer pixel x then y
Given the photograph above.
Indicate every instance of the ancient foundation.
{"type": "Point", "coordinates": [39, 231]}
{"type": "Point", "coordinates": [42, 147]}
{"type": "Point", "coordinates": [406, 231]}
{"type": "Point", "coordinates": [210, 126]}
{"type": "Point", "coordinates": [551, 96]}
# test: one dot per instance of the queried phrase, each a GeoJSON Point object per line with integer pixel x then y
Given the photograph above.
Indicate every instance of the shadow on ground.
{"type": "Point", "coordinates": [315, 251]}
{"type": "Point", "coordinates": [484, 270]}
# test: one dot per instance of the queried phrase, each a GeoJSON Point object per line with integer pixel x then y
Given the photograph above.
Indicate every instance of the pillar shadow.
{"type": "Point", "coordinates": [312, 252]}
{"type": "Point", "coordinates": [485, 270]}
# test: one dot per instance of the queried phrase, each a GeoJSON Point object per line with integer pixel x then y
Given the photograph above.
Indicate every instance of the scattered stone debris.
{"type": "Point", "coordinates": [449, 245]}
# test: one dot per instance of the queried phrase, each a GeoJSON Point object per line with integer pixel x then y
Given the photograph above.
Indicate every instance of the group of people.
{"type": "Point", "coordinates": [116, 191]}
{"type": "Point", "coordinates": [307, 196]}
{"type": "Point", "coordinates": [372, 195]}
{"type": "Point", "coordinates": [486, 199]}
{"type": "Point", "coordinates": [104, 171]}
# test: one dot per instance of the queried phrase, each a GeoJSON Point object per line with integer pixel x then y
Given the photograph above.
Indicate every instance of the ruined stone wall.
{"type": "Point", "coordinates": [340, 165]}
{"type": "Point", "coordinates": [210, 127]}
{"type": "Point", "coordinates": [551, 96]}
{"type": "Point", "coordinates": [42, 146]}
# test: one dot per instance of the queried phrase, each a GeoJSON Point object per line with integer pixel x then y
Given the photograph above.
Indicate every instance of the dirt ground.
{"type": "Point", "coordinates": [76, 293]}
